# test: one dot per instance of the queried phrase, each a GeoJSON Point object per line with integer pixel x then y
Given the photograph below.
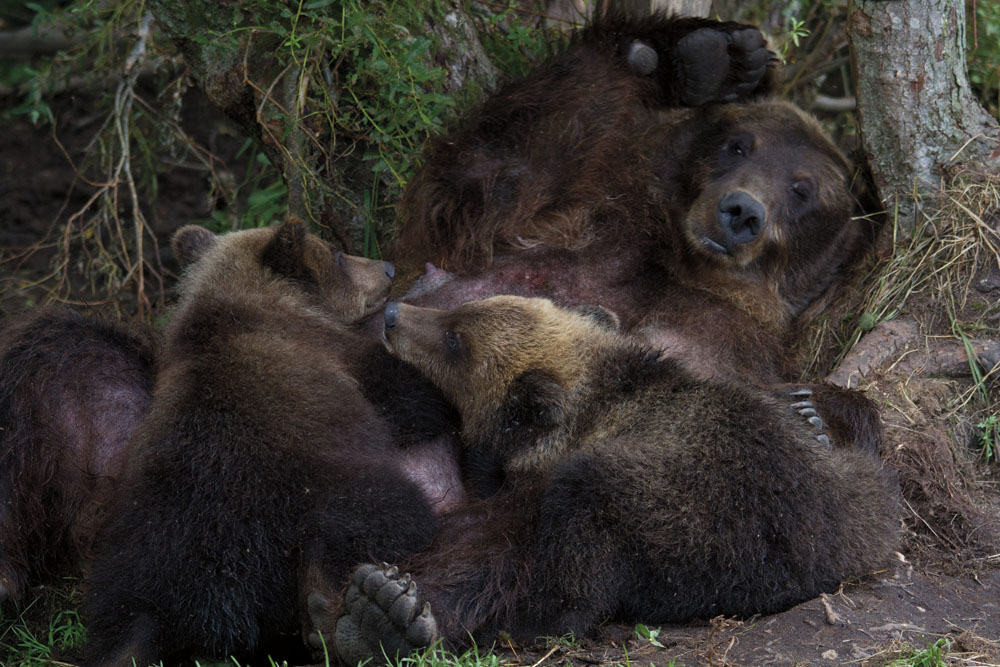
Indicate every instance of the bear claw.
{"type": "Point", "coordinates": [805, 407]}
{"type": "Point", "coordinates": [383, 616]}
{"type": "Point", "coordinates": [423, 630]}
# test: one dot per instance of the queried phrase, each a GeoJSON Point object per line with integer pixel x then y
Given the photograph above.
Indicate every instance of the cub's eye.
{"type": "Point", "coordinates": [451, 343]}
{"type": "Point", "coordinates": [803, 189]}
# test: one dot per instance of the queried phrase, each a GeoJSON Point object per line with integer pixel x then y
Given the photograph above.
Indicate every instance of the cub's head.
{"type": "Point", "coordinates": [287, 260]}
{"type": "Point", "coordinates": [511, 356]}
{"type": "Point", "coordinates": [765, 193]}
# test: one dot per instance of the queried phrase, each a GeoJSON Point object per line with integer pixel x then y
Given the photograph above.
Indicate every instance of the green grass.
{"type": "Point", "coordinates": [437, 657]}
{"type": "Point", "coordinates": [46, 630]}
{"type": "Point", "coordinates": [42, 629]}
{"type": "Point", "coordinates": [989, 439]}
{"type": "Point", "coordinates": [932, 656]}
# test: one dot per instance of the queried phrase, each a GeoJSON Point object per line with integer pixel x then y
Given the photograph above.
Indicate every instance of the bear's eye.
{"type": "Point", "coordinates": [803, 189]}
{"type": "Point", "coordinates": [739, 146]}
{"type": "Point", "coordinates": [451, 343]}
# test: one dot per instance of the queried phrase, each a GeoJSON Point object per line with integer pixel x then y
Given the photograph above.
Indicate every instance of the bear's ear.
{"type": "Point", "coordinates": [286, 253]}
{"type": "Point", "coordinates": [535, 399]}
{"type": "Point", "coordinates": [601, 316]}
{"type": "Point", "coordinates": [190, 243]}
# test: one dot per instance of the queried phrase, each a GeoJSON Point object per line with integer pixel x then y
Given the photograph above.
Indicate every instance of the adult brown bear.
{"type": "Point", "coordinates": [259, 463]}
{"type": "Point", "coordinates": [632, 490]}
{"type": "Point", "coordinates": [646, 169]}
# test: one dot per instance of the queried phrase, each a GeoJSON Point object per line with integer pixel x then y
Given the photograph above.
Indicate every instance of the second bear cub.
{"type": "Point", "coordinates": [629, 489]}
{"type": "Point", "coordinates": [259, 461]}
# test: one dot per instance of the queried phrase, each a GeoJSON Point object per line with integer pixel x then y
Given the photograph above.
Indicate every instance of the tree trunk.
{"type": "Point", "coordinates": [916, 110]}
{"type": "Point", "coordinates": [577, 12]}
{"type": "Point", "coordinates": [680, 7]}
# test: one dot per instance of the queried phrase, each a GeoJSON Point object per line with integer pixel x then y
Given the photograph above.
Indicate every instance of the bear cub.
{"type": "Point", "coordinates": [629, 490]}
{"type": "Point", "coordinates": [259, 463]}
{"type": "Point", "coordinates": [72, 391]}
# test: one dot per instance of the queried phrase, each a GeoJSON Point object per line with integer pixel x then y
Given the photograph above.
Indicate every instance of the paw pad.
{"type": "Point", "coordinates": [642, 58]}
{"type": "Point", "coordinates": [718, 65]}
{"type": "Point", "coordinates": [383, 616]}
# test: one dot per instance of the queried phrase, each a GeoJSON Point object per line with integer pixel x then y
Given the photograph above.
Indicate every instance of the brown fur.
{"type": "Point", "coordinates": [589, 183]}
{"type": "Point", "coordinates": [631, 490]}
{"type": "Point", "coordinates": [72, 390]}
{"type": "Point", "coordinates": [551, 159]}
{"type": "Point", "coordinates": [259, 461]}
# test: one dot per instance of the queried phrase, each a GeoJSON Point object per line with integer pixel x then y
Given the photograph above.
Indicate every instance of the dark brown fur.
{"type": "Point", "coordinates": [589, 183]}
{"type": "Point", "coordinates": [631, 490]}
{"type": "Point", "coordinates": [72, 390]}
{"type": "Point", "coordinates": [259, 461]}
{"type": "Point", "coordinates": [556, 158]}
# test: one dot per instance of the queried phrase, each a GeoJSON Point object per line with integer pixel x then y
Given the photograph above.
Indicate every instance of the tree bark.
{"type": "Point", "coordinates": [646, 7]}
{"type": "Point", "coordinates": [916, 110]}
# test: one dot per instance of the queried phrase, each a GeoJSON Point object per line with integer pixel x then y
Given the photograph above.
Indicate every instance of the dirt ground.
{"type": "Point", "coordinates": [946, 582]}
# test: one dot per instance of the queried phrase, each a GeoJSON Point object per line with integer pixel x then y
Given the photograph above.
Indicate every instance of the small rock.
{"type": "Point", "coordinates": [829, 655]}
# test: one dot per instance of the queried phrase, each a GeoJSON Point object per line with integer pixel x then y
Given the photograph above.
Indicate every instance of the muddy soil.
{"type": "Point", "coordinates": [866, 622]}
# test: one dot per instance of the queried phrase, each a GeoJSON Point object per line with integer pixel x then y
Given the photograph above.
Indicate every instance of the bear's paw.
{"type": "Point", "coordinates": [383, 616]}
{"type": "Point", "coordinates": [719, 65]}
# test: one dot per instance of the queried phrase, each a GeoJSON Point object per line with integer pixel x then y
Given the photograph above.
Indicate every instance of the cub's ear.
{"type": "Point", "coordinates": [190, 243]}
{"type": "Point", "coordinates": [536, 399]}
{"type": "Point", "coordinates": [286, 253]}
{"type": "Point", "coordinates": [601, 316]}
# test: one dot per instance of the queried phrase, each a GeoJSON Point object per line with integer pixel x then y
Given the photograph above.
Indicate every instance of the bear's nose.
{"type": "Point", "coordinates": [741, 217]}
{"type": "Point", "coordinates": [390, 270]}
{"type": "Point", "coordinates": [391, 315]}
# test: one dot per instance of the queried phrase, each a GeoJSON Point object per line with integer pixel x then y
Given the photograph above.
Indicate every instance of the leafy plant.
{"type": "Point", "coordinates": [510, 43]}
{"type": "Point", "coordinates": [649, 634]}
{"type": "Point", "coordinates": [983, 33]}
{"type": "Point", "coordinates": [350, 93]}
{"type": "Point", "coordinates": [989, 438]}
{"type": "Point", "coordinates": [796, 31]}
{"type": "Point", "coordinates": [932, 656]}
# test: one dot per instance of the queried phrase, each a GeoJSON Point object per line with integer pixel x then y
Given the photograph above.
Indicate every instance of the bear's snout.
{"type": "Point", "coordinates": [391, 315]}
{"type": "Point", "coordinates": [741, 218]}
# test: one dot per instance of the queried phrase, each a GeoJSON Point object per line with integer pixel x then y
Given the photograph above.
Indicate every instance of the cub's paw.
{"type": "Point", "coordinates": [720, 65]}
{"type": "Point", "coordinates": [802, 403]}
{"type": "Point", "coordinates": [382, 616]}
